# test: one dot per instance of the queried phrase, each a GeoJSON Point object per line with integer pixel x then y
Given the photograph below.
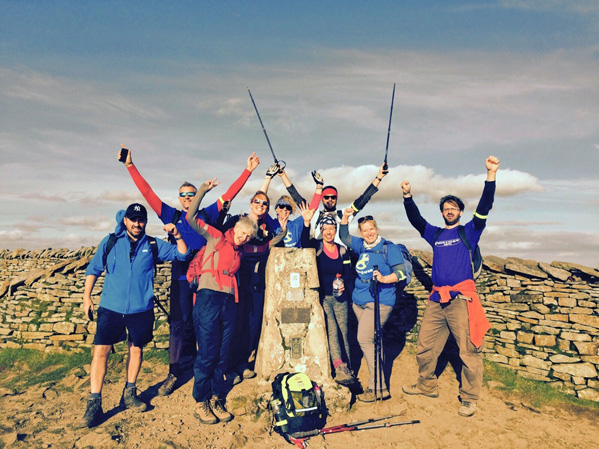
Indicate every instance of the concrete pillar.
{"type": "Point", "coordinates": [294, 336]}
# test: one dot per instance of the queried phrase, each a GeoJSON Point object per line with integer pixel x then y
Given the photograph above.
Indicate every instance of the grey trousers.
{"type": "Point", "coordinates": [335, 313]}
{"type": "Point", "coordinates": [438, 321]}
{"type": "Point", "coordinates": [365, 315]}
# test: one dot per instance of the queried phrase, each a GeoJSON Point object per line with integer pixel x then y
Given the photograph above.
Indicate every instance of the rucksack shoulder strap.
{"type": "Point", "coordinates": [176, 216]}
{"type": "Point", "coordinates": [154, 248]}
{"type": "Point", "coordinates": [464, 237]}
{"type": "Point", "coordinates": [112, 238]}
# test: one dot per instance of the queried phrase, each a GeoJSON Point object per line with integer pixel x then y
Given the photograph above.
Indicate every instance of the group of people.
{"type": "Point", "coordinates": [218, 284]}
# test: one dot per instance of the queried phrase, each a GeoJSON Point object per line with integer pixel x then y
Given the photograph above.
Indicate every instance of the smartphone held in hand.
{"type": "Point", "coordinates": [123, 155]}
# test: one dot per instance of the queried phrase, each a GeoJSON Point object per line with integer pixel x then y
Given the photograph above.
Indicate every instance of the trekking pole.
{"type": "Point", "coordinates": [301, 438]}
{"type": "Point", "coordinates": [282, 163]}
{"type": "Point", "coordinates": [387, 424]}
{"type": "Point", "coordinates": [335, 429]}
{"type": "Point", "coordinates": [161, 307]}
{"type": "Point", "coordinates": [385, 165]}
{"type": "Point", "coordinates": [378, 365]}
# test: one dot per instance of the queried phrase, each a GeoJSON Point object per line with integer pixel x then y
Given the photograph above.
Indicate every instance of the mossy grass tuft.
{"type": "Point", "coordinates": [39, 367]}
{"type": "Point", "coordinates": [537, 394]}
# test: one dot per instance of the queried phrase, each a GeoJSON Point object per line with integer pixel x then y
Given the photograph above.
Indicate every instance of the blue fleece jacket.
{"type": "Point", "coordinates": [129, 283]}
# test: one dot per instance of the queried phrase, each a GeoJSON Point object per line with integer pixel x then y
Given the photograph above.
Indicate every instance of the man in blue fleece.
{"type": "Point", "coordinates": [126, 305]}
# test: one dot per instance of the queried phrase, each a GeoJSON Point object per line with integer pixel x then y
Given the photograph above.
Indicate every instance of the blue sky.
{"type": "Point", "coordinates": [517, 79]}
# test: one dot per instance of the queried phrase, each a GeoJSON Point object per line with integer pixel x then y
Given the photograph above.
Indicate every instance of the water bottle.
{"type": "Point", "coordinates": [337, 284]}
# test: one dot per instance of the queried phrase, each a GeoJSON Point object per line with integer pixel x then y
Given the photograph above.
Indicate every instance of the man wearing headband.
{"type": "Point", "coordinates": [329, 202]}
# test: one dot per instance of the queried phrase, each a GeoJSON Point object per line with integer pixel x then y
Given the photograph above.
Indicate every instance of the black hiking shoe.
{"type": "Point", "coordinates": [168, 386]}
{"type": "Point", "coordinates": [93, 413]}
{"type": "Point", "coordinates": [130, 400]}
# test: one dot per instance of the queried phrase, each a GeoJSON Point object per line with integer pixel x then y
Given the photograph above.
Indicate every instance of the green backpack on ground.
{"type": "Point", "coordinates": [297, 404]}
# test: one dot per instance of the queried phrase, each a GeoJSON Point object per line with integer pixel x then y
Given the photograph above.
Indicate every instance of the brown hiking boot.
{"type": "Point", "coordinates": [467, 408]}
{"type": "Point", "coordinates": [344, 376]}
{"type": "Point", "coordinates": [219, 410]}
{"type": "Point", "coordinates": [415, 389]}
{"type": "Point", "coordinates": [204, 413]}
{"type": "Point", "coordinates": [168, 386]}
{"type": "Point", "coordinates": [369, 396]}
{"type": "Point", "coordinates": [131, 401]}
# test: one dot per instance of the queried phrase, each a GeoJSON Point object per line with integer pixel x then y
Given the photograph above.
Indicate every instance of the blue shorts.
{"type": "Point", "coordinates": [113, 327]}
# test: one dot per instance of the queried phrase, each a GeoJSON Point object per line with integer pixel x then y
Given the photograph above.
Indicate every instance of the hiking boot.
{"type": "Point", "coordinates": [467, 408]}
{"type": "Point", "coordinates": [234, 378]}
{"type": "Point", "coordinates": [248, 374]}
{"type": "Point", "coordinates": [415, 389]}
{"type": "Point", "coordinates": [219, 410]}
{"type": "Point", "coordinates": [168, 386]}
{"type": "Point", "coordinates": [204, 413]}
{"type": "Point", "coordinates": [130, 400]}
{"type": "Point", "coordinates": [93, 413]}
{"type": "Point", "coordinates": [344, 376]}
{"type": "Point", "coordinates": [369, 396]}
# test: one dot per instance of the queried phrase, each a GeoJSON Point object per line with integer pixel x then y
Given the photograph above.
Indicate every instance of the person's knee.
{"type": "Point", "coordinates": [101, 352]}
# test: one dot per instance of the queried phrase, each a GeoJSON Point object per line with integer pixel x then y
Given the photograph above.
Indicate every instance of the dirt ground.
{"type": "Point", "coordinates": [44, 417]}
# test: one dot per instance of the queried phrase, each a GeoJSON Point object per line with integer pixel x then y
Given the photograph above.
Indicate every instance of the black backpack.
{"type": "Point", "coordinates": [476, 259]}
{"type": "Point", "coordinates": [407, 257]}
{"type": "Point", "coordinates": [297, 405]}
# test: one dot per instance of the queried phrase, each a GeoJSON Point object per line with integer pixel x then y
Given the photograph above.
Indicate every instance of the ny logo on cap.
{"type": "Point", "coordinates": [137, 208]}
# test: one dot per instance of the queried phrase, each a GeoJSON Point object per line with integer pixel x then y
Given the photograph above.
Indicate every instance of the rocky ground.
{"type": "Point", "coordinates": [45, 417]}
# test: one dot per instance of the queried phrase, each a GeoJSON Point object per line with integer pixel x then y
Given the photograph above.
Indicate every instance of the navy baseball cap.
{"type": "Point", "coordinates": [136, 210]}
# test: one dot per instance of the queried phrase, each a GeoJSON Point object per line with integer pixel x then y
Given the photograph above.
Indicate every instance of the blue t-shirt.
{"type": "Point", "coordinates": [368, 259]}
{"type": "Point", "coordinates": [193, 239]}
{"type": "Point", "coordinates": [294, 231]}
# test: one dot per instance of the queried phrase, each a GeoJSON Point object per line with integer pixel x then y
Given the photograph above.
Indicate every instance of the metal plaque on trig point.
{"type": "Point", "coordinates": [294, 280]}
{"type": "Point", "coordinates": [295, 315]}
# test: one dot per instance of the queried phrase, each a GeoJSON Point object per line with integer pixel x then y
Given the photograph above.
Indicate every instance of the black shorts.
{"type": "Point", "coordinates": [113, 327]}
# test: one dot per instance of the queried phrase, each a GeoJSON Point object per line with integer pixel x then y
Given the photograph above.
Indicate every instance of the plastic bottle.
{"type": "Point", "coordinates": [337, 285]}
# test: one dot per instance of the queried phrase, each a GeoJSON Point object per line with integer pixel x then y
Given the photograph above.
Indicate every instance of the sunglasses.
{"type": "Point", "coordinates": [189, 194]}
{"type": "Point", "coordinates": [330, 197]}
{"type": "Point", "coordinates": [261, 202]}
{"type": "Point", "coordinates": [285, 206]}
{"type": "Point", "coordinates": [366, 218]}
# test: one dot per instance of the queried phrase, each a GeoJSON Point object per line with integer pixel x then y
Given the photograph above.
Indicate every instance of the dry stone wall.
{"type": "Point", "coordinates": [544, 317]}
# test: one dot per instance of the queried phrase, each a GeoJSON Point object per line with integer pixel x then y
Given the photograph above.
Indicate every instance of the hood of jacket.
{"type": "Point", "coordinates": [120, 229]}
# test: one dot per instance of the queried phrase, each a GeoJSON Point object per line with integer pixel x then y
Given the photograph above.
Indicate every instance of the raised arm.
{"type": "Point", "coordinates": [143, 186]}
{"type": "Point", "coordinates": [486, 200]}
{"type": "Point", "coordinates": [270, 173]}
{"type": "Point", "coordinates": [172, 230]}
{"type": "Point", "coordinates": [307, 214]}
{"type": "Point", "coordinates": [291, 188]}
{"type": "Point", "coordinates": [344, 227]}
{"type": "Point", "coordinates": [363, 199]}
{"type": "Point", "coordinates": [193, 218]}
{"type": "Point", "coordinates": [412, 211]}
{"type": "Point", "coordinates": [252, 163]}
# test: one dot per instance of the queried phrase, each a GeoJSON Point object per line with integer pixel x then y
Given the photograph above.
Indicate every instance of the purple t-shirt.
{"type": "Point", "coordinates": [451, 260]}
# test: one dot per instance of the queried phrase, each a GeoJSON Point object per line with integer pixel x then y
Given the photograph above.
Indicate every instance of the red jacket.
{"type": "Point", "coordinates": [478, 322]}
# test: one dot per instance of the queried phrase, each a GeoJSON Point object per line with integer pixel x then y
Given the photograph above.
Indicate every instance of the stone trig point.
{"type": "Point", "coordinates": [294, 336]}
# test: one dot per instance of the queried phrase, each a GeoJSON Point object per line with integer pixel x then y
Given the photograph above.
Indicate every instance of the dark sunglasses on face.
{"type": "Point", "coordinates": [330, 197]}
{"type": "Point", "coordinates": [261, 202]}
{"type": "Point", "coordinates": [366, 218]}
{"type": "Point", "coordinates": [289, 208]}
{"type": "Point", "coordinates": [189, 194]}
